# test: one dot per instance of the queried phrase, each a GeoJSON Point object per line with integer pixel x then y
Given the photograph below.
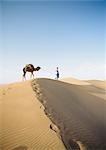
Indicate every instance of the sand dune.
{"type": "Point", "coordinates": [97, 83]}
{"type": "Point", "coordinates": [94, 87]}
{"type": "Point", "coordinates": [78, 113]}
{"type": "Point", "coordinates": [76, 107]}
{"type": "Point", "coordinates": [74, 81]}
{"type": "Point", "coordinates": [24, 125]}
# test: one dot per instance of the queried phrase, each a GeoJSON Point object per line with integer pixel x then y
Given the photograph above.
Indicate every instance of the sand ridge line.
{"type": "Point", "coordinates": [37, 89]}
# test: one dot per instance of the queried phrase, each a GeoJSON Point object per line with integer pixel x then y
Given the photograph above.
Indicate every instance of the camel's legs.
{"type": "Point", "coordinates": [32, 75]}
{"type": "Point", "coordinates": [24, 78]}
{"type": "Point", "coordinates": [24, 74]}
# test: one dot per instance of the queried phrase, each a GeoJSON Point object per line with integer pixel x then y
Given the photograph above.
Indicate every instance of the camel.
{"type": "Point", "coordinates": [30, 68]}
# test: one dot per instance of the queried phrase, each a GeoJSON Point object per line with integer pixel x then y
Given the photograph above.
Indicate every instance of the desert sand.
{"type": "Point", "coordinates": [94, 87]}
{"type": "Point", "coordinates": [75, 81]}
{"type": "Point", "coordinates": [78, 108]}
{"type": "Point", "coordinates": [47, 114]}
{"type": "Point", "coordinates": [23, 123]}
{"type": "Point", "coordinates": [98, 83]}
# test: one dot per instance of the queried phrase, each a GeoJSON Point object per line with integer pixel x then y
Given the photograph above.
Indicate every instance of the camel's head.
{"type": "Point", "coordinates": [37, 68]}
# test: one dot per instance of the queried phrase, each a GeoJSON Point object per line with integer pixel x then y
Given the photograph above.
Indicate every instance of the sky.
{"type": "Point", "coordinates": [65, 34]}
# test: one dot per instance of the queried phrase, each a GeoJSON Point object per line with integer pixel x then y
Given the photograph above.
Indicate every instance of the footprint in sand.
{"type": "Point", "coordinates": [80, 144]}
{"type": "Point", "coordinates": [54, 128]}
{"type": "Point", "coordinates": [4, 92]}
{"type": "Point", "coordinates": [21, 148]}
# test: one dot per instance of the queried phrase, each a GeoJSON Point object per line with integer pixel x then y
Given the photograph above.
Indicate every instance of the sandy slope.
{"type": "Point", "coordinates": [94, 87]}
{"type": "Point", "coordinates": [78, 113]}
{"type": "Point", "coordinates": [23, 125]}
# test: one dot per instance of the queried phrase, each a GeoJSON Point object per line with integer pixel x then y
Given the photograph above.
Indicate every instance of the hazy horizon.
{"type": "Point", "coordinates": [67, 34]}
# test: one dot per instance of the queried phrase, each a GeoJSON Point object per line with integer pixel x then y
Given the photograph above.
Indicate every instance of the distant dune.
{"type": "Point", "coordinates": [94, 87]}
{"type": "Point", "coordinates": [78, 108]}
{"type": "Point", "coordinates": [1, 85]}
{"type": "Point", "coordinates": [23, 123]}
{"type": "Point", "coordinates": [98, 83]}
{"type": "Point", "coordinates": [75, 81]}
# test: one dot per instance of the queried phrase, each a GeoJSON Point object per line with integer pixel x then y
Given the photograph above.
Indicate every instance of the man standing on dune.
{"type": "Point", "coordinates": [57, 73]}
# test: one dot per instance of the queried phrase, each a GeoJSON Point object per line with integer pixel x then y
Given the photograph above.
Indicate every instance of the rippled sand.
{"type": "Point", "coordinates": [23, 123]}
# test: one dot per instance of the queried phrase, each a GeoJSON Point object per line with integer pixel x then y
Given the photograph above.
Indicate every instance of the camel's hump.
{"type": "Point", "coordinates": [29, 66]}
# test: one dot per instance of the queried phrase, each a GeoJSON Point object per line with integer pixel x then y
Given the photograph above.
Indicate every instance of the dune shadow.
{"type": "Point", "coordinates": [76, 112]}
